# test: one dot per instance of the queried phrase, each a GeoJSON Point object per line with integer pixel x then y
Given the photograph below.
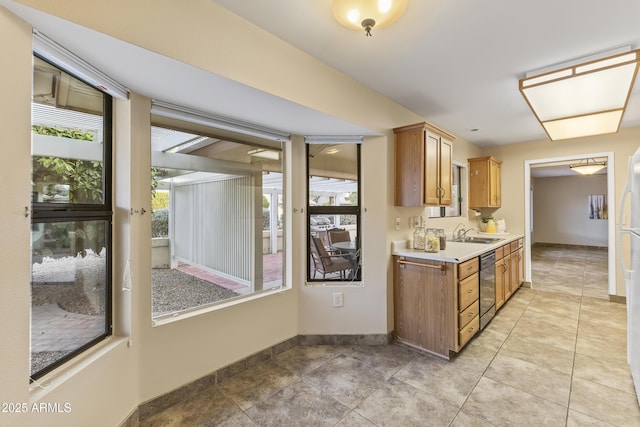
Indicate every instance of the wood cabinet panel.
{"type": "Point", "coordinates": [468, 314]}
{"type": "Point", "coordinates": [422, 165]}
{"type": "Point", "coordinates": [424, 300]}
{"type": "Point", "coordinates": [468, 291]}
{"type": "Point", "coordinates": [469, 331]}
{"type": "Point", "coordinates": [467, 268]}
{"type": "Point", "coordinates": [485, 182]}
{"type": "Point", "coordinates": [500, 282]}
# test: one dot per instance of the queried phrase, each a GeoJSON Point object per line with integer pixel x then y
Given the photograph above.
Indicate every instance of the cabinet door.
{"type": "Point", "coordinates": [432, 170]}
{"type": "Point", "coordinates": [446, 159]}
{"type": "Point", "coordinates": [478, 185]}
{"type": "Point", "coordinates": [507, 276]}
{"type": "Point", "coordinates": [409, 167]}
{"type": "Point", "coordinates": [513, 275]}
{"type": "Point", "coordinates": [499, 273]}
{"type": "Point", "coordinates": [495, 181]}
{"type": "Point", "coordinates": [520, 262]}
{"type": "Point", "coordinates": [425, 312]}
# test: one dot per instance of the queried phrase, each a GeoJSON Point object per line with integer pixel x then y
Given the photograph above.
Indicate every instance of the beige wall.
{"type": "Point", "coordinates": [560, 213]}
{"type": "Point", "coordinates": [142, 361]}
{"type": "Point", "coordinates": [622, 144]}
{"type": "Point", "coordinates": [157, 359]}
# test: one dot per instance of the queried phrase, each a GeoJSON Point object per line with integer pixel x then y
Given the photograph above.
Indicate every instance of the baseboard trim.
{"type": "Point", "coordinates": [617, 298]}
{"type": "Point", "coordinates": [192, 389]}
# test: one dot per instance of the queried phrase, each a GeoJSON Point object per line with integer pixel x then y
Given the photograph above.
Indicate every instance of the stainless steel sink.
{"type": "Point", "coordinates": [472, 239]}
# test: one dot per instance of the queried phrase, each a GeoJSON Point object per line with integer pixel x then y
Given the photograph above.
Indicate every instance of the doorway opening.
{"type": "Point", "coordinates": [529, 208]}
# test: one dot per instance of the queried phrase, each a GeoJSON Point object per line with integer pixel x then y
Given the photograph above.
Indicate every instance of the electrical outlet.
{"type": "Point", "coordinates": [397, 223]}
{"type": "Point", "coordinates": [338, 300]}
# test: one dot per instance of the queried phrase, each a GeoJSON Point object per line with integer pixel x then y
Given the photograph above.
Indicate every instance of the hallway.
{"type": "Point", "coordinates": [554, 355]}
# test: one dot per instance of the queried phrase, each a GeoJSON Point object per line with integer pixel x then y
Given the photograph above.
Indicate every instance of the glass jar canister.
{"type": "Point", "coordinates": [432, 241]}
{"type": "Point", "coordinates": [418, 238]}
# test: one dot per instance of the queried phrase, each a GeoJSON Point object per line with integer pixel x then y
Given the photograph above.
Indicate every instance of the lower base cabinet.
{"type": "Point", "coordinates": [436, 304]}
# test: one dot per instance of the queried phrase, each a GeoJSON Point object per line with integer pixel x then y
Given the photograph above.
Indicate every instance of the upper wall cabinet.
{"type": "Point", "coordinates": [485, 182]}
{"type": "Point", "coordinates": [423, 155]}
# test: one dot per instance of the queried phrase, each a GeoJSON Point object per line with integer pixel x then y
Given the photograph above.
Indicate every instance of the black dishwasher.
{"type": "Point", "coordinates": [487, 288]}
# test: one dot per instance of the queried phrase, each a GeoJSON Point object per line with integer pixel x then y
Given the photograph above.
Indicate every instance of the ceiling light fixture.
{"type": "Point", "coordinates": [585, 99]}
{"type": "Point", "coordinates": [358, 14]}
{"type": "Point", "coordinates": [586, 168]}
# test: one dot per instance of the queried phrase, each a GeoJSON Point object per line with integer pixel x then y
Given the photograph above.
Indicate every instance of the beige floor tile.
{"type": "Point", "coordinates": [550, 320]}
{"type": "Point", "coordinates": [546, 356]}
{"type": "Point", "coordinates": [604, 403]}
{"type": "Point", "coordinates": [300, 402]}
{"type": "Point", "coordinates": [257, 383]}
{"type": "Point", "coordinates": [239, 420]}
{"type": "Point", "coordinates": [603, 313]}
{"type": "Point", "coordinates": [601, 341]}
{"type": "Point", "coordinates": [545, 335]}
{"type": "Point", "coordinates": [385, 359]}
{"type": "Point", "coordinates": [353, 419]}
{"type": "Point", "coordinates": [503, 405]}
{"type": "Point", "coordinates": [399, 404]}
{"type": "Point", "coordinates": [211, 404]}
{"type": "Point", "coordinates": [303, 359]}
{"type": "Point", "coordinates": [474, 357]}
{"type": "Point", "coordinates": [347, 379]}
{"type": "Point", "coordinates": [542, 382]}
{"type": "Point", "coordinates": [490, 338]}
{"type": "Point", "coordinates": [439, 378]}
{"type": "Point", "coordinates": [465, 420]}
{"type": "Point", "coordinates": [604, 372]}
{"type": "Point", "coordinates": [576, 419]}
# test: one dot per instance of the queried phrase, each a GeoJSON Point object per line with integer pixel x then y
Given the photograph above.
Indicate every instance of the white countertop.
{"type": "Point", "coordinates": [455, 252]}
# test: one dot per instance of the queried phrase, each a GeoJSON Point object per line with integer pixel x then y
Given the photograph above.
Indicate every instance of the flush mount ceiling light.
{"type": "Point", "coordinates": [359, 14]}
{"type": "Point", "coordinates": [588, 168]}
{"type": "Point", "coordinates": [584, 99]}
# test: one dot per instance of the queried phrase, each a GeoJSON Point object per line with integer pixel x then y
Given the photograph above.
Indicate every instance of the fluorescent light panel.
{"type": "Point", "coordinates": [584, 99]}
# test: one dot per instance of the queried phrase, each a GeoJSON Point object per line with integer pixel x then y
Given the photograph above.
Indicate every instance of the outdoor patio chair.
{"type": "Point", "coordinates": [338, 235]}
{"type": "Point", "coordinates": [327, 262]}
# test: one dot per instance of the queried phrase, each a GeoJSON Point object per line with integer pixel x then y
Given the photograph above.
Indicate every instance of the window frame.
{"type": "Point", "coordinates": [42, 212]}
{"type": "Point", "coordinates": [334, 210]}
{"type": "Point", "coordinates": [174, 117]}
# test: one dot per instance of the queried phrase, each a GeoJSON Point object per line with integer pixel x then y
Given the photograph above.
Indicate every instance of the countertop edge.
{"type": "Point", "coordinates": [456, 252]}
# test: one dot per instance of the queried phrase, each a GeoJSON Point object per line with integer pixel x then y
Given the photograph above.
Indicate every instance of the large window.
{"type": "Point", "coordinates": [218, 216]}
{"type": "Point", "coordinates": [70, 215]}
{"type": "Point", "coordinates": [334, 252]}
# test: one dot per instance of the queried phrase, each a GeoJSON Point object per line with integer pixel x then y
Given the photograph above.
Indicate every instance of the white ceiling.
{"type": "Point", "coordinates": [456, 63]}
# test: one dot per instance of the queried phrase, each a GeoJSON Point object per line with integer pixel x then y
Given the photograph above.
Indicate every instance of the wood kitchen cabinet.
{"type": "Point", "coordinates": [436, 304]}
{"type": "Point", "coordinates": [485, 182]}
{"type": "Point", "coordinates": [423, 157]}
{"type": "Point", "coordinates": [517, 264]}
{"type": "Point", "coordinates": [500, 273]}
{"type": "Point", "coordinates": [509, 270]}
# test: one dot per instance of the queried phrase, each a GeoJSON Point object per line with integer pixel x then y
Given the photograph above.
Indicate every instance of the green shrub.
{"type": "Point", "coordinates": [160, 223]}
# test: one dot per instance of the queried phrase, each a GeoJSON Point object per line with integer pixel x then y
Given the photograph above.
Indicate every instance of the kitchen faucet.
{"type": "Point", "coordinates": [462, 234]}
{"type": "Point", "coordinates": [453, 234]}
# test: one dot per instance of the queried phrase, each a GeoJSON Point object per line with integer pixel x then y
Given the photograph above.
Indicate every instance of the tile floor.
{"type": "Point", "coordinates": [554, 355]}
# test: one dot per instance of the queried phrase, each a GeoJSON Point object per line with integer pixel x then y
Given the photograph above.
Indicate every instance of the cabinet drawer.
{"type": "Point", "coordinates": [467, 268]}
{"type": "Point", "coordinates": [468, 290]}
{"type": "Point", "coordinates": [469, 331]}
{"type": "Point", "coordinates": [499, 252]}
{"type": "Point", "coordinates": [468, 314]}
{"type": "Point", "coordinates": [514, 246]}
{"type": "Point", "coordinates": [520, 243]}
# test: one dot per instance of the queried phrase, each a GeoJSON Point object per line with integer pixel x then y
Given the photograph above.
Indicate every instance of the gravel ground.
{"type": "Point", "coordinates": [63, 281]}
{"type": "Point", "coordinates": [174, 290]}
